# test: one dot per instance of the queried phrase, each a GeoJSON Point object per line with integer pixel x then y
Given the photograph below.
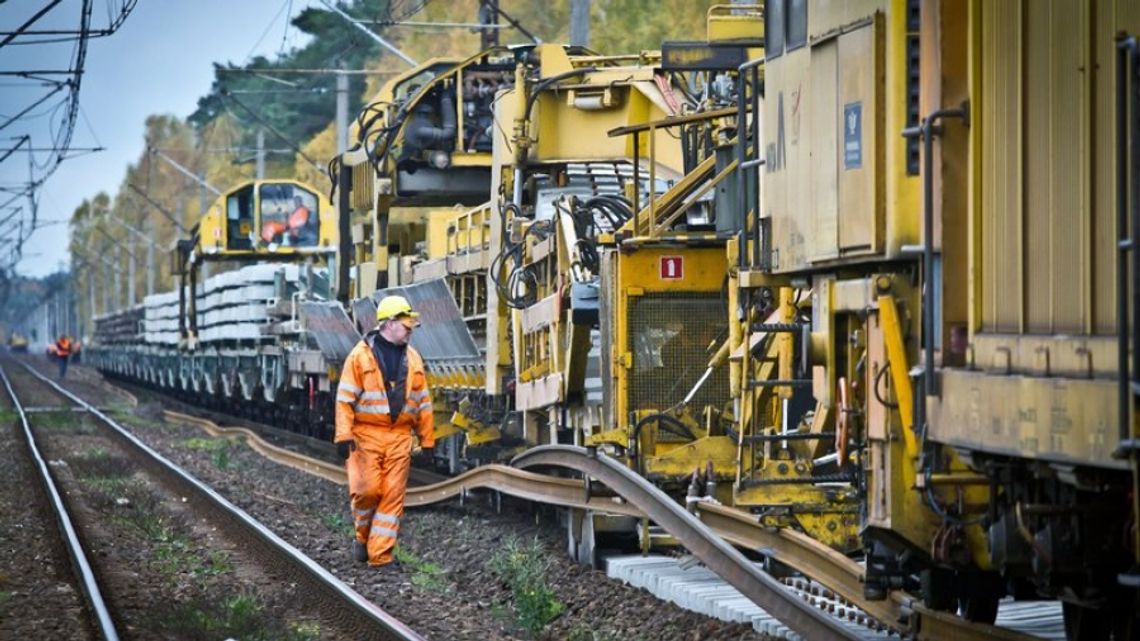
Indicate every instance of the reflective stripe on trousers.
{"type": "Point", "coordinates": [377, 480]}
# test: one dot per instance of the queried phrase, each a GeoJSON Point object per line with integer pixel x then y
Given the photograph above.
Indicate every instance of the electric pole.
{"type": "Point", "coordinates": [260, 154]}
{"type": "Point", "coordinates": [130, 273]}
{"type": "Point", "coordinates": [341, 111]}
{"type": "Point", "coordinates": [489, 18]}
{"type": "Point", "coordinates": [579, 23]}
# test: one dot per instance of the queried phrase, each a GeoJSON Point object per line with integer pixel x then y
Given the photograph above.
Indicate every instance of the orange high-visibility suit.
{"type": "Point", "coordinates": [378, 467]}
{"type": "Point", "coordinates": [272, 229]}
{"type": "Point", "coordinates": [298, 219]}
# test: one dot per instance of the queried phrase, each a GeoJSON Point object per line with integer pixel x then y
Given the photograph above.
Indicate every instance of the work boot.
{"type": "Point", "coordinates": [391, 566]}
{"type": "Point", "coordinates": [359, 551]}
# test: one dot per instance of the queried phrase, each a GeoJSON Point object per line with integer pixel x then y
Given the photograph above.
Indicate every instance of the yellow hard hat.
{"type": "Point", "coordinates": [393, 307]}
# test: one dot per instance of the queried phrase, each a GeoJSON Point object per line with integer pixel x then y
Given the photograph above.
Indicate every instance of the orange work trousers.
{"type": "Point", "coordinates": [377, 479]}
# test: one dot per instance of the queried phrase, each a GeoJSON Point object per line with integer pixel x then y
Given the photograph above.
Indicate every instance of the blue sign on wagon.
{"type": "Point", "coordinates": [853, 135]}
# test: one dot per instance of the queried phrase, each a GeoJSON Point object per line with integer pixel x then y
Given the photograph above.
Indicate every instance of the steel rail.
{"type": "Point", "coordinates": [528, 486]}
{"type": "Point", "coordinates": [845, 577]}
{"type": "Point", "coordinates": [798, 551]}
{"type": "Point", "coordinates": [379, 621]}
{"type": "Point", "coordinates": [524, 485]}
{"type": "Point", "coordinates": [327, 471]}
{"type": "Point", "coordinates": [728, 562]}
{"type": "Point", "coordinates": [79, 562]}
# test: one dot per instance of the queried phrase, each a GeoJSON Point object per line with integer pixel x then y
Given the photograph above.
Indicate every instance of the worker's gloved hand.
{"type": "Point", "coordinates": [344, 448]}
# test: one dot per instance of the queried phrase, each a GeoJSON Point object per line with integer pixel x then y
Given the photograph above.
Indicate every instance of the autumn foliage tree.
{"type": "Point", "coordinates": [217, 141]}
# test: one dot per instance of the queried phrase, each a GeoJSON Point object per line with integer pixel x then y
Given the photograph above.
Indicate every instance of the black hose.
{"type": "Point", "coordinates": [543, 84]}
{"type": "Point", "coordinates": [679, 428]}
{"type": "Point", "coordinates": [423, 135]}
{"type": "Point", "coordinates": [878, 380]}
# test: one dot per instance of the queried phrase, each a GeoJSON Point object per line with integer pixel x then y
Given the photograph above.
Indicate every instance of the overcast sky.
{"type": "Point", "coordinates": [158, 62]}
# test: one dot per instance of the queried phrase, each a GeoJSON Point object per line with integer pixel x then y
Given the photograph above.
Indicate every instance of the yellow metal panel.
{"type": "Point", "coordinates": [363, 176]}
{"type": "Point", "coordinates": [702, 270]}
{"type": "Point", "coordinates": [902, 193]}
{"type": "Point", "coordinates": [1103, 275]}
{"type": "Point", "coordinates": [825, 16]}
{"type": "Point", "coordinates": [1071, 216]}
{"type": "Point", "coordinates": [797, 159]}
{"type": "Point", "coordinates": [952, 157]}
{"type": "Point", "coordinates": [976, 265]}
{"type": "Point", "coordinates": [1036, 217]}
{"type": "Point", "coordinates": [825, 152]}
{"type": "Point", "coordinates": [785, 199]}
{"type": "Point", "coordinates": [1127, 16]}
{"type": "Point", "coordinates": [568, 132]}
{"type": "Point", "coordinates": [1056, 191]}
{"type": "Point", "coordinates": [1000, 115]}
{"type": "Point", "coordinates": [725, 22]}
{"type": "Point", "coordinates": [803, 88]}
{"type": "Point", "coordinates": [1057, 419]}
{"type": "Point", "coordinates": [900, 371]}
{"type": "Point", "coordinates": [859, 220]}
{"type": "Point", "coordinates": [1076, 356]}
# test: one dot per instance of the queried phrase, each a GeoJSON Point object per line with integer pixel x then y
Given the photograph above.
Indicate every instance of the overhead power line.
{"type": "Point", "coordinates": [349, 72]}
{"type": "Point", "coordinates": [273, 130]}
{"type": "Point", "coordinates": [371, 34]}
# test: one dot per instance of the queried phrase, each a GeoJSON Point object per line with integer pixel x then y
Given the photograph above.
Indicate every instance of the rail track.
{"type": "Point", "coordinates": [709, 532]}
{"type": "Point", "coordinates": [331, 598]}
{"type": "Point", "coordinates": [81, 566]}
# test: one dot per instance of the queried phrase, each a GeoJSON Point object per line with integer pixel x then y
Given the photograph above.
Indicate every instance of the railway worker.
{"type": "Point", "coordinates": [272, 230]}
{"type": "Point", "coordinates": [63, 354]}
{"type": "Point", "coordinates": [382, 405]}
{"type": "Point", "coordinates": [298, 224]}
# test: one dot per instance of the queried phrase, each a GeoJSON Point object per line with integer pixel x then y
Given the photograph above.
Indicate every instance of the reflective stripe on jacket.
{"type": "Point", "coordinates": [362, 399]}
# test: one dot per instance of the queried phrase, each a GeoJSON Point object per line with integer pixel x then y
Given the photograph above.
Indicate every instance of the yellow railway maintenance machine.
{"type": "Point", "coordinates": [260, 221]}
{"type": "Point", "coordinates": [609, 290]}
{"type": "Point", "coordinates": [417, 184]}
{"type": "Point", "coordinates": [1031, 321]}
{"type": "Point", "coordinates": [944, 185]}
{"type": "Point", "coordinates": [422, 155]}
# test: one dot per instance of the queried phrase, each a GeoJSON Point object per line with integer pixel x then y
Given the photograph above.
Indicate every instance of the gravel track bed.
{"type": "Point", "coordinates": [165, 571]}
{"type": "Point", "coordinates": [446, 589]}
{"type": "Point", "coordinates": [39, 597]}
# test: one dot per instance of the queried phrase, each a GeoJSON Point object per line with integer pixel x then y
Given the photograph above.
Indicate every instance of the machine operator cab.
{"type": "Point", "coordinates": [278, 218]}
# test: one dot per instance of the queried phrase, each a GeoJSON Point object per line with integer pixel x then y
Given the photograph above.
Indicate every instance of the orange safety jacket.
{"type": "Point", "coordinates": [362, 407]}
{"type": "Point", "coordinates": [63, 348]}
{"type": "Point", "coordinates": [270, 230]}
{"type": "Point", "coordinates": [298, 219]}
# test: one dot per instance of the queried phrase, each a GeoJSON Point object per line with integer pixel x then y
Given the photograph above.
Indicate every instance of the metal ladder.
{"type": "Point", "coordinates": [1128, 263]}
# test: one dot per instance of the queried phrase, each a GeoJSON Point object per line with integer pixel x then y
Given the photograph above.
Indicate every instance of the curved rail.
{"type": "Point", "coordinates": [702, 542]}
{"type": "Point", "coordinates": [79, 562]}
{"type": "Point", "coordinates": [327, 471]}
{"type": "Point", "coordinates": [707, 538]}
{"type": "Point", "coordinates": [377, 620]}
{"type": "Point", "coordinates": [798, 551]}
{"type": "Point", "coordinates": [512, 481]}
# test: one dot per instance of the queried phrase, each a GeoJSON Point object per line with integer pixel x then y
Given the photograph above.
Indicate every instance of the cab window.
{"type": "Point", "coordinates": [239, 219]}
{"type": "Point", "coordinates": [290, 216]}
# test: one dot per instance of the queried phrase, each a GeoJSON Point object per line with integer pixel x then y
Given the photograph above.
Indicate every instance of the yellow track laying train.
{"type": "Point", "coordinates": [863, 269]}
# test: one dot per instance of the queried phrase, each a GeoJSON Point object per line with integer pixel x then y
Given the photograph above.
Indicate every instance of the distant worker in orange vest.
{"type": "Point", "coordinates": [299, 233]}
{"type": "Point", "coordinates": [63, 353]}
{"type": "Point", "coordinates": [382, 405]}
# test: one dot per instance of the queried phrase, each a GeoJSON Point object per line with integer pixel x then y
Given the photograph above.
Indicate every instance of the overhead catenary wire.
{"type": "Point", "coordinates": [66, 112]}
{"type": "Point", "coordinates": [268, 27]}
{"type": "Point", "coordinates": [273, 130]}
